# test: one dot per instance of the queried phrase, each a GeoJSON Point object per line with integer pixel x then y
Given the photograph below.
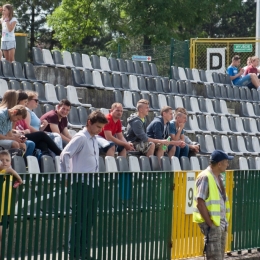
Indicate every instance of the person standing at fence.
{"type": "Point", "coordinates": [250, 80]}
{"type": "Point", "coordinates": [8, 38]}
{"type": "Point", "coordinates": [81, 155]}
{"type": "Point", "coordinates": [6, 168]}
{"type": "Point", "coordinates": [211, 209]}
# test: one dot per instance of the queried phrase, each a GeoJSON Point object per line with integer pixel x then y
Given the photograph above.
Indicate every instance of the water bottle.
{"type": "Point", "coordinates": [164, 147]}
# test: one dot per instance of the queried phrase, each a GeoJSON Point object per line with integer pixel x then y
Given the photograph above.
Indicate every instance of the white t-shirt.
{"type": "Point", "coordinates": [6, 35]}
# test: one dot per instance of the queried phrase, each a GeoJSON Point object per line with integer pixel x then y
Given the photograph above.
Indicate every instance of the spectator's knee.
{"type": "Point", "coordinates": [15, 145]}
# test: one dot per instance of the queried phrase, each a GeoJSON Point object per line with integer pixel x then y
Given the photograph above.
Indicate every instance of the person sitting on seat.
{"type": "Point", "coordinates": [252, 68]}
{"type": "Point", "coordinates": [250, 80]}
{"type": "Point", "coordinates": [248, 63]}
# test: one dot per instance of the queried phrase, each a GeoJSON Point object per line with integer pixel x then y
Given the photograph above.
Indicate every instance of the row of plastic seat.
{"type": "Point", "coordinates": [233, 144]}
{"type": "Point", "coordinates": [75, 60]}
{"type": "Point", "coordinates": [208, 124]}
{"type": "Point", "coordinates": [250, 163]}
{"type": "Point", "coordinates": [193, 105]}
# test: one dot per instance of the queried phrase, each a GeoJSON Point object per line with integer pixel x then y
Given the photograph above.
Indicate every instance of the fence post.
{"type": "Point", "coordinates": [118, 51]}
{"type": "Point", "coordinates": [171, 56]}
{"type": "Point", "coordinates": [187, 54]}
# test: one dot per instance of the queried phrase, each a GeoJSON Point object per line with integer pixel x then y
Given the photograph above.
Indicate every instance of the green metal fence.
{"type": "Point", "coordinates": [246, 210]}
{"type": "Point", "coordinates": [108, 216]}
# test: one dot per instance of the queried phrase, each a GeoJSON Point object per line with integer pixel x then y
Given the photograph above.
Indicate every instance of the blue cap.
{"type": "Point", "coordinates": [218, 156]}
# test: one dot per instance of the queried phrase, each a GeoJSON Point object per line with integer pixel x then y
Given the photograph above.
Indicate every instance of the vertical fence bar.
{"type": "Point", "coordinates": [135, 209]}
{"type": "Point", "coordinates": [96, 217]}
{"type": "Point", "coordinates": [101, 214]}
{"type": "Point", "coordinates": [114, 181]}
{"type": "Point", "coordinates": [105, 215]}
{"type": "Point", "coordinates": [130, 216]}
{"type": "Point", "coordinates": [110, 217]}
{"type": "Point", "coordinates": [118, 51]}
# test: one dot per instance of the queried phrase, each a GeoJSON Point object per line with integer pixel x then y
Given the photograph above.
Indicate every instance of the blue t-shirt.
{"type": "Point", "coordinates": [172, 128]}
{"type": "Point", "coordinates": [232, 71]}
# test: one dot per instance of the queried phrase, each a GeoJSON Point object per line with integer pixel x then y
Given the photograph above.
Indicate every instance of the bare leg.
{"type": "Point", "coordinates": [6, 54]}
{"type": "Point", "coordinates": [151, 150]}
{"type": "Point", "coordinates": [111, 151]}
{"type": "Point", "coordinates": [172, 151]}
{"type": "Point", "coordinates": [11, 54]}
{"type": "Point", "coordinates": [254, 80]}
{"type": "Point", "coordinates": [160, 152]}
{"type": "Point", "coordinates": [123, 153]}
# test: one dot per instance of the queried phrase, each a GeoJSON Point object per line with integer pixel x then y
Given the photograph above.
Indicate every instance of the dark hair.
{"type": "Point", "coordinates": [64, 102]}
{"type": "Point", "coordinates": [97, 116]}
{"type": "Point", "coordinates": [10, 9]}
{"type": "Point", "coordinates": [213, 163]}
{"type": "Point", "coordinates": [21, 95]}
{"type": "Point", "coordinates": [5, 152]}
{"type": "Point", "coordinates": [235, 58]}
{"type": "Point", "coordinates": [21, 110]}
{"type": "Point", "coordinates": [165, 109]}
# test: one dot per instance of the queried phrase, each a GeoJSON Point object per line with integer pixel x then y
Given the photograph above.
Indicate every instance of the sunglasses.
{"type": "Point", "coordinates": [36, 100]}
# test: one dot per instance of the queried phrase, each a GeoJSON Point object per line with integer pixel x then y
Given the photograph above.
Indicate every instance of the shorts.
{"type": "Point", "coordinates": [5, 46]}
{"type": "Point", "coordinates": [119, 148]}
{"type": "Point", "coordinates": [244, 81]}
{"type": "Point", "coordinates": [142, 147]}
{"type": "Point", "coordinates": [7, 144]}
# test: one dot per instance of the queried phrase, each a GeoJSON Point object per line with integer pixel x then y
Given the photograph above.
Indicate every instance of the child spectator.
{"type": "Point", "coordinates": [8, 38]}
{"type": "Point", "coordinates": [252, 68]}
{"type": "Point", "coordinates": [5, 167]}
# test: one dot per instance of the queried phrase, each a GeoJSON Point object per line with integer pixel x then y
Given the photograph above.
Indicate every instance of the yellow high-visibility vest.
{"type": "Point", "coordinates": [212, 202]}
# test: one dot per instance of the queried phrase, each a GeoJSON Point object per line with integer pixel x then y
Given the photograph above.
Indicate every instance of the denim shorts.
{"type": "Point", "coordinates": [6, 45]}
{"type": "Point", "coordinates": [244, 81]}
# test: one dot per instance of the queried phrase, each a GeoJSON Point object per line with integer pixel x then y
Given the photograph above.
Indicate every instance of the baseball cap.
{"type": "Point", "coordinates": [219, 155]}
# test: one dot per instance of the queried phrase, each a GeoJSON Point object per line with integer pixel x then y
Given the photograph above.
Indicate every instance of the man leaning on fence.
{"type": "Point", "coordinates": [211, 208]}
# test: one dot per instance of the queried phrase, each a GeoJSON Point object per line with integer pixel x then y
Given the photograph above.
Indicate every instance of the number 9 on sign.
{"type": "Point", "coordinates": [190, 182]}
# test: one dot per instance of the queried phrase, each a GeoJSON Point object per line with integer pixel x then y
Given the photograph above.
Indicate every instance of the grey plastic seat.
{"type": "Point", "coordinates": [165, 85]}
{"type": "Point", "coordinates": [243, 164]}
{"type": "Point", "coordinates": [209, 143]}
{"type": "Point", "coordinates": [196, 76]}
{"type": "Point", "coordinates": [195, 105]}
{"type": "Point", "coordinates": [7, 70]}
{"type": "Point", "coordinates": [122, 66]}
{"type": "Point", "coordinates": [204, 162]}
{"type": "Point", "coordinates": [61, 92]}
{"type": "Point", "coordinates": [77, 79]}
{"type": "Point", "coordinates": [225, 143]}
{"type": "Point", "coordinates": [254, 95]}
{"type": "Point", "coordinates": [232, 125]}
{"type": "Point", "coordinates": [201, 140]}
{"type": "Point", "coordinates": [40, 89]}
{"type": "Point", "coordinates": [252, 125]}
{"type": "Point", "coordinates": [257, 163]}
{"type": "Point", "coordinates": [86, 63]}
{"type": "Point", "coordinates": [95, 62]}
{"type": "Point", "coordinates": [50, 94]}
{"type": "Point", "coordinates": [165, 163]}
{"type": "Point", "coordinates": [186, 104]}
{"type": "Point", "coordinates": [209, 91]}
{"type": "Point", "coordinates": [191, 91]}
{"type": "Point", "coordinates": [110, 163]}
{"type": "Point", "coordinates": [119, 99]}
{"type": "Point", "coordinates": [144, 164]}
{"type": "Point", "coordinates": [18, 71]}
{"type": "Point", "coordinates": [158, 86]}
{"type": "Point", "coordinates": [14, 84]}
{"type": "Point", "coordinates": [217, 91]}
{"type": "Point", "coordinates": [47, 164]}
{"type": "Point", "coordinates": [48, 59]}
{"type": "Point", "coordinates": [230, 93]}
{"type": "Point", "coordinates": [218, 107]}
{"type": "Point", "coordinates": [142, 84]}
{"type": "Point", "coordinates": [47, 108]}
{"type": "Point", "coordinates": [67, 59]}
{"type": "Point", "coordinates": [113, 65]}
{"type": "Point", "coordinates": [255, 144]}
{"type": "Point", "coordinates": [18, 164]}
{"type": "Point", "coordinates": [38, 111]}
{"type": "Point", "coordinates": [83, 114]}
{"type": "Point", "coordinates": [247, 109]}
{"type": "Point", "coordinates": [116, 81]}
{"type": "Point", "coordinates": [150, 84]}
{"type": "Point", "coordinates": [219, 127]}
{"type": "Point", "coordinates": [106, 78]}
{"type": "Point", "coordinates": [3, 87]}
{"type": "Point", "coordinates": [72, 96]}
{"type": "Point", "coordinates": [154, 162]}
{"type": "Point", "coordinates": [210, 125]}
{"type": "Point", "coordinates": [30, 74]}
{"type": "Point", "coordinates": [240, 126]}
{"type": "Point", "coordinates": [146, 68]}
{"type": "Point", "coordinates": [182, 73]}
{"type": "Point", "coordinates": [128, 100]}
{"type": "Point", "coordinates": [73, 119]}
{"type": "Point", "coordinates": [226, 127]}
{"type": "Point", "coordinates": [185, 163]}
{"type": "Point", "coordinates": [238, 147]}
{"type": "Point", "coordinates": [136, 97]}
{"type": "Point", "coordinates": [249, 144]}
{"type": "Point", "coordinates": [218, 143]}
{"type": "Point", "coordinates": [104, 65]}
{"type": "Point", "coordinates": [130, 67]}
{"type": "Point", "coordinates": [122, 164]}
{"type": "Point", "coordinates": [138, 69]}
{"type": "Point", "coordinates": [203, 78]}
{"type": "Point", "coordinates": [134, 165]}
{"type": "Point", "coordinates": [88, 79]}
{"type": "Point", "coordinates": [102, 167]}
{"type": "Point", "coordinates": [38, 57]}
{"type": "Point", "coordinates": [170, 101]}
{"type": "Point", "coordinates": [175, 73]}
{"type": "Point", "coordinates": [133, 83]}
{"type": "Point", "coordinates": [191, 126]}
{"type": "Point", "coordinates": [209, 76]}
{"type": "Point", "coordinates": [125, 82]}
{"type": "Point", "coordinates": [251, 163]}
{"type": "Point", "coordinates": [77, 61]}
{"type": "Point", "coordinates": [58, 60]}
{"type": "Point", "coordinates": [203, 126]}
{"type": "Point", "coordinates": [162, 101]}
{"type": "Point", "coordinates": [175, 164]}
{"type": "Point", "coordinates": [216, 79]}
{"type": "Point", "coordinates": [173, 87]}
{"type": "Point", "coordinates": [237, 94]}
{"type": "Point", "coordinates": [182, 87]}
{"type": "Point", "coordinates": [189, 74]}
{"type": "Point", "coordinates": [194, 162]}
{"type": "Point", "coordinates": [154, 102]}
{"type": "Point", "coordinates": [154, 70]}
{"type": "Point", "coordinates": [242, 93]}
{"type": "Point", "coordinates": [97, 81]}
{"type": "Point", "coordinates": [27, 86]}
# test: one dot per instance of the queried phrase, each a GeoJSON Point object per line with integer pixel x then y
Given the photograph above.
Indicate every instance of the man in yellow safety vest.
{"type": "Point", "coordinates": [211, 208]}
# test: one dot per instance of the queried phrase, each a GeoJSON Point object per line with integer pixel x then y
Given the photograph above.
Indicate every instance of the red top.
{"type": "Point", "coordinates": [52, 118]}
{"type": "Point", "coordinates": [251, 69]}
{"type": "Point", "coordinates": [114, 127]}
{"type": "Point", "coordinates": [21, 125]}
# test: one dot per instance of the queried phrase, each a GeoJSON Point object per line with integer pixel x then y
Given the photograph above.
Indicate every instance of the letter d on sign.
{"type": "Point", "coordinates": [216, 59]}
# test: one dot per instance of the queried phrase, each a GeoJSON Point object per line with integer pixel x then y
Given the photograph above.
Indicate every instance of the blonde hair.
{"type": "Point", "coordinates": [116, 104]}
{"type": "Point", "coordinates": [31, 94]}
{"type": "Point", "coordinates": [179, 111]}
{"type": "Point", "coordinates": [142, 102]}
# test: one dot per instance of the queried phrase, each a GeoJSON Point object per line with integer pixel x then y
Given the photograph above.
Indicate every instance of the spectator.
{"type": "Point", "coordinates": [81, 155]}
{"type": "Point", "coordinates": [136, 130]}
{"type": "Point", "coordinates": [194, 147]}
{"type": "Point", "coordinates": [177, 133]}
{"type": "Point", "coordinates": [252, 68]}
{"type": "Point", "coordinates": [248, 63]}
{"type": "Point", "coordinates": [6, 168]}
{"type": "Point", "coordinates": [57, 121]}
{"type": "Point", "coordinates": [250, 80]}
{"type": "Point", "coordinates": [8, 38]}
{"type": "Point", "coordinates": [112, 132]}
{"type": "Point", "coordinates": [159, 129]}
{"type": "Point", "coordinates": [8, 139]}
{"type": "Point", "coordinates": [40, 139]}
{"type": "Point", "coordinates": [33, 121]}
{"type": "Point", "coordinates": [211, 209]}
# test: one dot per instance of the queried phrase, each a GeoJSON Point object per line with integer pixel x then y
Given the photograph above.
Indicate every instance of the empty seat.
{"type": "Point", "coordinates": [154, 162]}
{"type": "Point", "coordinates": [192, 125]}
{"type": "Point", "coordinates": [185, 163]}
{"type": "Point", "coordinates": [154, 70]}
{"type": "Point", "coordinates": [58, 60]}
{"type": "Point", "coordinates": [217, 142]}
{"type": "Point", "coordinates": [165, 84]}
{"type": "Point", "coordinates": [251, 163]}
{"type": "Point", "coordinates": [15, 85]}
{"type": "Point", "coordinates": [175, 164]}
{"type": "Point", "coordinates": [209, 143]}
{"type": "Point", "coordinates": [142, 84]}
{"type": "Point", "coordinates": [162, 101]}
{"type": "Point", "coordinates": [144, 164]}
{"type": "Point", "coordinates": [7, 70]}
{"type": "Point", "coordinates": [127, 100]}
{"type": "Point", "coordinates": [154, 102]}
{"type": "Point", "coordinates": [101, 166]}
{"type": "Point", "coordinates": [18, 164]}
{"type": "Point", "coordinates": [47, 108]}
{"type": "Point", "coordinates": [237, 148]}
{"type": "Point", "coordinates": [18, 71]}
{"type": "Point", "coordinates": [33, 164]}
{"type": "Point", "coordinates": [249, 144]}
{"type": "Point", "coordinates": [50, 94]}
{"type": "Point", "coordinates": [187, 105]}
{"type": "Point", "coordinates": [134, 165]}
{"type": "Point", "coordinates": [104, 64]}
{"type": "Point", "coordinates": [194, 162]}
{"type": "Point", "coordinates": [113, 64]}
{"type": "Point", "coordinates": [3, 87]}
{"type": "Point", "coordinates": [225, 143]}
{"type": "Point", "coordinates": [83, 115]}
{"type": "Point", "coordinates": [257, 163]}
{"type": "Point", "coordinates": [40, 89]}
{"type": "Point", "coordinates": [196, 75]}
{"type": "Point", "coordinates": [61, 92]}
{"type": "Point", "coordinates": [209, 91]}
{"type": "Point", "coordinates": [57, 163]}
{"type": "Point", "coordinates": [209, 76]}
{"type": "Point", "coordinates": [146, 68]}
{"type": "Point", "coordinates": [173, 87]}
{"type": "Point", "coordinates": [136, 97]}
{"type": "Point", "coordinates": [128, 103]}
{"type": "Point", "coordinates": [209, 106]}
{"type": "Point", "coordinates": [116, 81]}
{"type": "Point", "coordinates": [122, 66]}
{"type": "Point", "coordinates": [86, 63]}
{"type": "Point", "coordinates": [204, 162]}
{"type": "Point", "coordinates": [95, 62]}
{"type": "Point", "coordinates": [201, 141]}
{"type": "Point", "coordinates": [133, 83]}
{"type": "Point", "coordinates": [67, 59]}
{"type": "Point", "coordinates": [122, 164]}
{"type": "Point", "coordinates": [150, 84]}
{"type": "Point", "coordinates": [47, 58]}
{"type": "Point", "coordinates": [191, 91]}
{"type": "Point", "coordinates": [203, 126]}
{"type": "Point", "coordinates": [73, 97]}
{"type": "Point", "coordinates": [30, 74]}
{"type": "Point", "coordinates": [158, 85]}
{"type": "Point", "coordinates": [247, 109]}
{"type": "Point", "coordinates": [210, 124]}
{"type": "Point", "coordinates": [73, 119]}
{"type": "Point", "coordinates": [243, 164]}
{"type": "Point", "coordinates": [138, 69]}
{"type": "Point", "coordinates": [47, 164]}
{"type": "Point", "coordinates": [242, 147]}
{"type": "Point", "coordinates": [252, 125]}
{"type": "Point", "coordinates": [38, 57]}
{"type": "Point", "coordinates": [77, 79]}
{"type": "Point", "coordinates": [165, 163]}
{"type": "Point", "coordinates": [97, 81]}
{"type": "Point", "coordinates": [182, 73]}
{"type": "Point", "coordinates": [27, 86]}
{"type": "Point", "coordinates": [77, 61]}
